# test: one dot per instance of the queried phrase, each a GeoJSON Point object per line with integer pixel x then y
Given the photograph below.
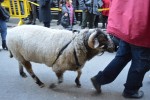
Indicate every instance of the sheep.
{"type": "Point", "coordinates": [60, 49]}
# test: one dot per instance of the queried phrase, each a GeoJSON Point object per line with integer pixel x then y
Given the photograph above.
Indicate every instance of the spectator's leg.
{"type": "Point", "coordinates": [84, 19]}
{"type": "Point", "coordinates": [91, 19]}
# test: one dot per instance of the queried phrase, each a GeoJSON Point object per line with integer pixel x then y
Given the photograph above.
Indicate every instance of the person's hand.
{"type": "Point", "coordinates": [66, 14]}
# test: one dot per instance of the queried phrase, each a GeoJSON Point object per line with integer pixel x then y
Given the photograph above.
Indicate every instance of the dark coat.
{"type": "Point", "coordinates": [76, 4]}
{"type": "Point", "coordinates": [44, 10]}
{"type": "Point", "coordinates": [1, 1]}
{"type": "Point", "coordinates": [91, 5]}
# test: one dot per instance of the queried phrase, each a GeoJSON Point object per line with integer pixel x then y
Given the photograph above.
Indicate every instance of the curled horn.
{"type": "Point", "coordinates": [91, 39]}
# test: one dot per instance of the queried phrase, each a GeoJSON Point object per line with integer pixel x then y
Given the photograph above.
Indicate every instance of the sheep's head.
{"type": "Point", "coordinates": [98, 40]}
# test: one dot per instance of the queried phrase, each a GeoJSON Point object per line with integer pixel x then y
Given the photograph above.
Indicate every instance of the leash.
{"type": "Point", "coordinates": [61, 51]}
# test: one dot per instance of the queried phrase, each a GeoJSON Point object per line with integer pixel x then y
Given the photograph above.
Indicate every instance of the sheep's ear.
{"type": "Point", "coordinates": [96, 43]}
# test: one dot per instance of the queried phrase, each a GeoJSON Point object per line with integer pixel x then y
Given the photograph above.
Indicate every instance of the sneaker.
{"type": "Point", "coordinates": [96, 85]}
{"type": "Point", "coordinates": [136, 95]}
{"type": "Point", "coordinates": [82, 27]}
{"type": "Point", "coordinates": [4, 46]}
{"type": "Point", "coordinates": [80, 24]}
{"type": "Point", "coordinates": [103, 27]}
{"type": "Point", "coordinates": [33, 23]}
{"type": "Point", "coordinates": [58, 23]}
{"type": "Point", "coordinates": [29, 22]}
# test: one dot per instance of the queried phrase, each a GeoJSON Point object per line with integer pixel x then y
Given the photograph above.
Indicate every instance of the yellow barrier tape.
{"type": "Point", "coordinates": [103, 9]}
{"type": "Point", "coordinates": [34, 3]}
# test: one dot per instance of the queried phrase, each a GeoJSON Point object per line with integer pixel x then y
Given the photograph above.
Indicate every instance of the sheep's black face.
{"type": "Point", "coordinates": [104, 42]}
{"type": "Point", "coordinates": [96, 41]}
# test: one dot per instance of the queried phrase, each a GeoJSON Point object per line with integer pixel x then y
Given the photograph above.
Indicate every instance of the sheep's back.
{"type": "Point", "coordinates": [37, 43]}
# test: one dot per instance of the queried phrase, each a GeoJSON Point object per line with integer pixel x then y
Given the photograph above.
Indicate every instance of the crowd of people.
{"type": "Point", "coordinates": [67, 17]}
{"type": "Point", "coordinates": [126, 21]}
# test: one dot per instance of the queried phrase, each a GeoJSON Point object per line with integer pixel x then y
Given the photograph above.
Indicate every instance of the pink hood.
{"type": "Point", "coordinates": [129, 20]}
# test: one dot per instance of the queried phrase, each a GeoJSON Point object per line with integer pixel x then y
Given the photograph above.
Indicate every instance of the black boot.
{"type": "Point", "coordinates": [4, 45]}
{"type": "Point", "coordinates": [136, 95]}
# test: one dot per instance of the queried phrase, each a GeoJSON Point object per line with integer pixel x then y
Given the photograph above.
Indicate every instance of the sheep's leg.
{"type": "Point", "coordinates": [60, 79]}
{"type": "Point", "coordinates": [77, 80]}
{"type": "Point", "coordinates": [59, 76]}
{"type": "Point", "coordinates": [28, 67]}
{"type": "Point", "coordinates": [22, 73]}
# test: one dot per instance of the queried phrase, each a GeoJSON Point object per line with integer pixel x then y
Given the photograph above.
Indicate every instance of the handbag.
{"type": "Point", "coordinates": [4, 15]}
{"type": "Point", "coordinates": [65, 22]}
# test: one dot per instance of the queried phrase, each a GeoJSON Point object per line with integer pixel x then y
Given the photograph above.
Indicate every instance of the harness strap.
{"type": "Point", "coordinates": [61, 51]}
{"type": "Point", "coordinates": [76, 58]}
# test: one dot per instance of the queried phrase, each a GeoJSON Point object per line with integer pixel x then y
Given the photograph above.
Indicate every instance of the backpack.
{"type": "Point", "coordinates": [4, 14]}
{"type": "Point", "coordinates": [65, 21]}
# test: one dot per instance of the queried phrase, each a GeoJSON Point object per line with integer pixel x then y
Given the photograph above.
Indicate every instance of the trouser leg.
{"type": "Point", "coordinates": [96, 21]}
{"type": "Point", "coordinates": [34, 13]}
{"type": "Point", "coordinates": [104, 21]}
{"type": "Point", "coordinates": [139, 66]}
{"type": "Point", "coordinates": [46, 24]}
{"type": "Point", "coordinates": [3, 29]}
{"type": "Point", "coordinates": [113, 69]}
{"type": "Point", "coordinates": [59, 17]}
{"type": "Point", "coordinates": [84, 19]}
{"type": "Point", "coordinates": [91, 19]}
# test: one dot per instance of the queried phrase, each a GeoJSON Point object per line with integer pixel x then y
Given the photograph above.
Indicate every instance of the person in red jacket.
{"type": "Point", "coordinates": [128, 22]}
{"type": "Point", "coordinates": [105, 13]}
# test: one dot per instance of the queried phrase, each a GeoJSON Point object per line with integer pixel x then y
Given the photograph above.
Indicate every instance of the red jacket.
{"type": "Point", "coordinates": [129, 20]}
{"type": "Point", "coordinates": [106, 4]}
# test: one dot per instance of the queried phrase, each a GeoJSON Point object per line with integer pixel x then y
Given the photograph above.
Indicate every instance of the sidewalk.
{"type": "Point", "coordinates": [14, 22]}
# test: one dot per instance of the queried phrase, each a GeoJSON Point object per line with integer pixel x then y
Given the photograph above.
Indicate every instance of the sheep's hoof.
{"type": "Point", "coordinates": [53, 85]}
{"type": "Point", "coordinates": [60, 80]}
{"type": "Point", "coordinates": [42, 85]}
{"type": "Point", "coordinates": [77, 83]}
{"type": "Point", "coordinates": [23, 75]}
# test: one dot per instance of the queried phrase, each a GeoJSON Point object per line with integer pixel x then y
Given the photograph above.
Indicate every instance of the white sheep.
{"type": "Point", "coordinates": [60, 49]}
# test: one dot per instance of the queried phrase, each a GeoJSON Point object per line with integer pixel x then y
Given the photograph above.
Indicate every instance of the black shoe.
{"type": "Point", "coordinates": [58, 23]}
{"type": "Point", "coordinates": [82, 27]}
{"type": "Point", "coordinates": [29, 22]}
{"type": "Point", "coordinates": [96, 85]}
{"type": "Point", "coordinates": [33, 23]}
{"type": "Point", "coordinates": [4, 46]}
{"type": "Point", "coordinates": [96, 26]}
{"type": "Point", "coordinates": [136, 95]}
{"type": "Point", "coordinates": [80, 24]}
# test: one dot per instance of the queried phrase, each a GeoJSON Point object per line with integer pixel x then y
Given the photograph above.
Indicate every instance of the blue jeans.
{"type": "Point", "coordinates": [3, 29]}
{"type": "Point", "coordinates": [140, 64]}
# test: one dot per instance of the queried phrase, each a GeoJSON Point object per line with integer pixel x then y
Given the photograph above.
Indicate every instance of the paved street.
{"type": "Point", "coordinates": [14, 87]}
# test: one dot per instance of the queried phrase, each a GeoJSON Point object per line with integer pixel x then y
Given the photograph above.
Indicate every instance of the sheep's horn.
{"type": "Point", "coordinates": [91, 40]}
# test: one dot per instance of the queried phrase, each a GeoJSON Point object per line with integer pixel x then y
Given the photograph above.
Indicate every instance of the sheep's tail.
{"type": "Point", "coordinates": [10, 54]}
